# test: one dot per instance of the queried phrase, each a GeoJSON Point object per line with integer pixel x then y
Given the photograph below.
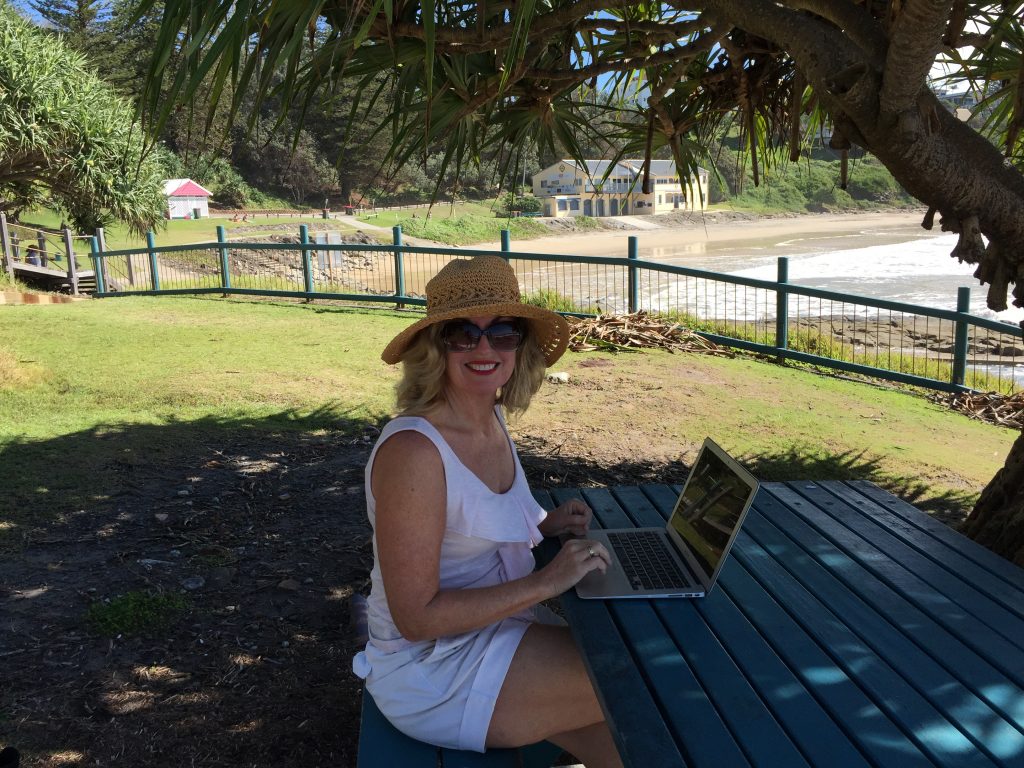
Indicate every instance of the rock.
{"type": "Point", "coordinates": [290, 584]}
{"type": "Point", "coordinates": [561, 377]}
{"type": "Point", "coordinates": [184, 492]}
{"type": "Point", "coordinates": [192, 583]}
{"type": "Point", "coordinates": [161, 517]}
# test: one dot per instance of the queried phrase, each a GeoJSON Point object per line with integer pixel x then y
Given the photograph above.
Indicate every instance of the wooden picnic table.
{"type": "Point", "coordinates": [847, 629]}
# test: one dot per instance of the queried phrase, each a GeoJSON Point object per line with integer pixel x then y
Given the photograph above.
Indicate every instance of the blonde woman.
{"type": "Point", "coordinates": [459, 654]}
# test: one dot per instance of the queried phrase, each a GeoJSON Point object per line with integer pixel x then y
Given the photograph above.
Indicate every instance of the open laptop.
{"type": "Point", "coordinates": [684, 558]}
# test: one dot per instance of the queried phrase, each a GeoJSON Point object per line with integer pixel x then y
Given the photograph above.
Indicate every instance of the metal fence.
{"type": "Point", "coordinates": [948, 350]}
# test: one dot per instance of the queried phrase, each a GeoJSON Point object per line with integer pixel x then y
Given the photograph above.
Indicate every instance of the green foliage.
{"type": "Point", "coordinates": [810, 185]}
{"type": "Point", "coordinates": [135, 613]}
{"type": "Point", "coordinates": [558, 302]}
{"type": "Point", "coordinates": [518, 201]}
{"type": "Point", "coordinates": [67, 137]}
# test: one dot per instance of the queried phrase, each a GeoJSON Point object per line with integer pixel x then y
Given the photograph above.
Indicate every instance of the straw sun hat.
{"type": "Point", "coordinates": [485, 285]}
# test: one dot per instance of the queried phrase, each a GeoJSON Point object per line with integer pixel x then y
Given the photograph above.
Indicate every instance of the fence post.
{"type": "Point", "coordinates": [963, 306]}
{"type": "Point", "coordinates": [225, 272]}
{"type": "Point", "coordinates": [396, 234]}
{"type": "Point", "coordinates": [97, 265]}
{"type": "Point", "coordinates": [15, 246]}
{"type": "Point", "coordinates": [69, 251]}
{"type": "Point", "coordinates": [5, 240]}
{"type": "Point", "coordinates": [634, 276]}
{"type": "Point", "coordinates": [154, 273]}
{"type": "Point", "coordinates": [782, 307]}
{"type": "Point", "coordinates": [506, 243]}
{"type": "Point", "coordinates": [44, 256]}
{"type": "Point", "coordinates": [307, 266]}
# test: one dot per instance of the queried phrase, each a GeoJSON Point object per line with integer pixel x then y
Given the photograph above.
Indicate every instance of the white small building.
{"type": "Point", "coordinates": [570, 189]}
{"type": "Point", "coordinates": [186, 199]}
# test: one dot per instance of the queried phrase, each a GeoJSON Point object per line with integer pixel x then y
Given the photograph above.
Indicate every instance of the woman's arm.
{"type": "Point", "coordinates": [408, 485]}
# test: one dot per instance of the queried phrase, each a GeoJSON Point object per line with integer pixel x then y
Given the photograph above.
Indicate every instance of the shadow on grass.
{"type": "Point", "coordinates": [257, 525]}
{"type": "Point", "coordinates": [547, 467]}
{"type": "Point", "coordinates": [260, 526]}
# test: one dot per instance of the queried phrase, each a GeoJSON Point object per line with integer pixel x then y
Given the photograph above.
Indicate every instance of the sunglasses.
{"type": "Point", "coordinates": [463, 336]}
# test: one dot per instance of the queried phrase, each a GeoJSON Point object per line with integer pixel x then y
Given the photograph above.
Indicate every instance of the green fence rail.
{"type": "Point", "coordinates": [947, 350]}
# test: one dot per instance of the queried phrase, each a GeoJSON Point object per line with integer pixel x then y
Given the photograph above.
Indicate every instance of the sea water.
{"type": "Point", "coordinates": [901, 263]}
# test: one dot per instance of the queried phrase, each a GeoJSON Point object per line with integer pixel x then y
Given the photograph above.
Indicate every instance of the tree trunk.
{"type": "Point", "coordinates": [997, 520]}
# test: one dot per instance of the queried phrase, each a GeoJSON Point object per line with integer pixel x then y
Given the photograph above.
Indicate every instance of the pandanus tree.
{"type": "Point", "coordinates": [509, 73]}
{"type": "Point", "coordinates": [66, 138]}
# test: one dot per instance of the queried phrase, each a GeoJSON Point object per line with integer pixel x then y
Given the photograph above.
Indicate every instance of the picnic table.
{"type": "Point", "coordinates": [847, 629]}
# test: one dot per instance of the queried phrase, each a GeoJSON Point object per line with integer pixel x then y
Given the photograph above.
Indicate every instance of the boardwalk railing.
{"type": "Point", "coordinates": [944, 349]}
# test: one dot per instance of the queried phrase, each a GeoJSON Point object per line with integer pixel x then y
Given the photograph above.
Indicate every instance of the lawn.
{"type": "Point", "coordinates": [182, 519]}
{"type": "Point", "coordinates": [95, 367]}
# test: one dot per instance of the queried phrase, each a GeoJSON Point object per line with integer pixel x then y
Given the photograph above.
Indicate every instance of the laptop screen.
{"type": "Point", "coordinates": [711, 506]}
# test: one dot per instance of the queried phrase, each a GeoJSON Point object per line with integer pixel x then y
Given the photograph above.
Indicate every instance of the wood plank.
{"type": "Point", "coordinates": [902, 582]}
{"type": "Point", "coordinates": [984, 557]}
{"type": "Point", "coordinates": [750, 721]}
{"type": "Point", "coordinates": [808, 724]}
{"type": "Point", "coordinates": [607, 511]}
{"type": "Point", "coordinates": [836, 692]}
{"type": "Point", "coordinates": [640, 733]}
{"type": "Point", "coordinates": [973, 670]}
{"type": "Point", "coordinates": [987, 728]}
{"type": "Point", "coordinates": [940, 581]}
{"type": "Point", "coordinates": [705, 738]}
{"type": "Point", "coordinates": [663, 497]}
{"type": "Point", "coordinates": [633, 715]}
{"type": "Point", "coordinates": [381, 745]}
{"type": "Point", "coordinates": [934, 548]}
{"type": "Point", "coordinates": [638, 507]}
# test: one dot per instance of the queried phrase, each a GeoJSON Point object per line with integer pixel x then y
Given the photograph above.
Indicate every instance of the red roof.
{"type": "Point", "coordinates": [190, 189]}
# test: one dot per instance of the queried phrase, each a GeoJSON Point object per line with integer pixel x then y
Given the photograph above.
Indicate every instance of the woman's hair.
{"type": "Point", "coordinates": [424, 365]}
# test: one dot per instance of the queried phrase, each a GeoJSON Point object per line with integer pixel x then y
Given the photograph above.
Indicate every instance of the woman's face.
{"type": "Point", "coordinates": [482, 369]}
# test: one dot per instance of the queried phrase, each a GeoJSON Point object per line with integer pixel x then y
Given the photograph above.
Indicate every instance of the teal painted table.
{"type": "Point", "coordinates": [847, 629]}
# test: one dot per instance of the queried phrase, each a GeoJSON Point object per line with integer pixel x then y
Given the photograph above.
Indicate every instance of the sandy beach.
{"type": "Point", "coordinates": [719, 228]}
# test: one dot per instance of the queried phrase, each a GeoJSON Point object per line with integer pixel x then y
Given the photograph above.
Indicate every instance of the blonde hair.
{"type": "Point", "coordinates": [425, 363]}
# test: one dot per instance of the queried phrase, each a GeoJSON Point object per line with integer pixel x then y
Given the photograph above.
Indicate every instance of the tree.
{"type": "Point", "coordinates": [68, 139]}
{"type": "Point", "coordinates": [483, 74]}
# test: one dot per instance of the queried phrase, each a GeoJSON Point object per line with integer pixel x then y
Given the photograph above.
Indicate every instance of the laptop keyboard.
{"type": "Point", "coordinates": [646, 560]}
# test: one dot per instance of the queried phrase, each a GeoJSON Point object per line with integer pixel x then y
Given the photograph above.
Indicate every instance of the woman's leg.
{"type": "Point", "coordinates": [547, 695]}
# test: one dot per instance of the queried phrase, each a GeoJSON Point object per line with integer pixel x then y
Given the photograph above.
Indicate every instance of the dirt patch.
{"type": "Point", "coordinates": [264, 538]}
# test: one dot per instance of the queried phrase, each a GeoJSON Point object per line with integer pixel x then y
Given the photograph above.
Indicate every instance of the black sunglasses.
{"type": "Point", "coordinates": [463, 336]}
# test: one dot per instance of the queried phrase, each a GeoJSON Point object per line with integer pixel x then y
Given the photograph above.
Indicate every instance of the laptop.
{"type": "Point", "coordinates": [684, 558]}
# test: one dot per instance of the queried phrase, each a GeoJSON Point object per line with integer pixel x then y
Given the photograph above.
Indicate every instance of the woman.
{"type": "Point", "coordinates": [457, 654]}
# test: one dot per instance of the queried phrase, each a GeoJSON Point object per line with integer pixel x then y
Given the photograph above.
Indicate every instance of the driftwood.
{"type": "Point", "coordinates": [992, 407]}
{"type": "Point", "coordinates": [629, 333]}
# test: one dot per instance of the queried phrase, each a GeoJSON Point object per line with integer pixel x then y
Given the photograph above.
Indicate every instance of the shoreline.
{"type": "Point", "coordinates": [714, 227]}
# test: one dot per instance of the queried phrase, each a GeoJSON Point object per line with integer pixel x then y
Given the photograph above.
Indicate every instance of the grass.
{"type": "Point", "coordinates": [184, 232]}
{"type": "Point", "coordinates": [134, 613]}
{"type": "Point", "coordinates": [89, 390]}
{"type": "Point", "coordinates": [466, 224]}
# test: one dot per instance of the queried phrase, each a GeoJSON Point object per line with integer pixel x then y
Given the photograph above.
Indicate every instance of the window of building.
{"type": "Point", "coordinates": [561, 205]}
{"type": "Point", "coordinates": [659, 199]}
{"type": "Point", "coordinates": [574, 204]}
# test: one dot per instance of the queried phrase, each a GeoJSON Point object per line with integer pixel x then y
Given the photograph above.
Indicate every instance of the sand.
{"type": "Point", "coordinates": [717, 227]}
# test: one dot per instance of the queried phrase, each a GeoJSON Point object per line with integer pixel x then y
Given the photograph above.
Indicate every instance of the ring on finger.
{"type": "Point", "coordinates": [591, 552]}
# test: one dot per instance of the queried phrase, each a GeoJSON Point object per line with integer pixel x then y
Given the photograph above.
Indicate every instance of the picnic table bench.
{"type": "Point", "coordinates": [847, 629]}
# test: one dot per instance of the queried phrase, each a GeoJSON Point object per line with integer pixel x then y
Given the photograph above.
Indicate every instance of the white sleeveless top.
{"type": "Point", "coordinates": [425, 688]}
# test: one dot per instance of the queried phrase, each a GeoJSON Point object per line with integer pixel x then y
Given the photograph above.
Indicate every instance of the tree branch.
{"type": "Point", "coordinates": [915, 38]}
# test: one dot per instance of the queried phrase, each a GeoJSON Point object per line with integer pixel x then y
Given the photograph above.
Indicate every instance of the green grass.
{"type": "Point", "coordinates": [800, 339]}
{"type": "Point", "coordinates": [186, 231]}
{"type": "Point", "coordinates": [92, 389]}
{"type": "Point", "coordinates": [134, 613]}
{"type": "Point", "coordinates": [466, 224]}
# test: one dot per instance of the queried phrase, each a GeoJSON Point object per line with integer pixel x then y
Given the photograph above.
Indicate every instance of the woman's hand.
{"type": "Point", "coordinates": [573, 517]}
{"type": "Point", "coordinates": [577, 558]}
